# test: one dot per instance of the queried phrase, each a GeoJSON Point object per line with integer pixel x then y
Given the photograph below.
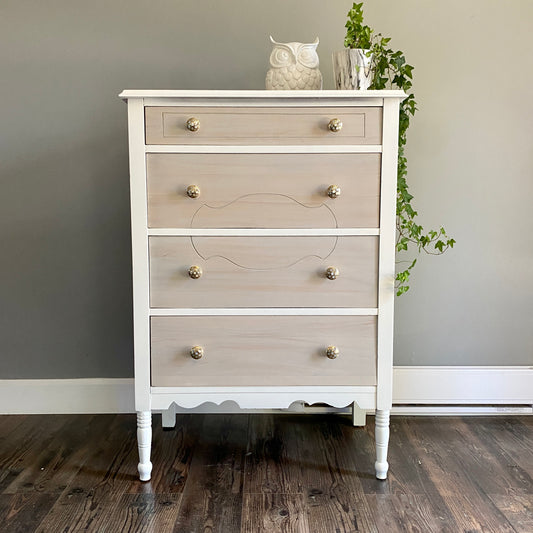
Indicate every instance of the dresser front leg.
{"type": "Point", "coordinates": [144, 441]}
{"type": "Point", "coordinates": [382, 443]}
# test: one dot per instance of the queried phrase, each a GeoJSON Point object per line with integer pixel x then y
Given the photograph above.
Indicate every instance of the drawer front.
{"type": "Point", "coordinates": [263, 271]}
{"type": "Point", "coordinates": [263, 190]}
{"type": "Point", "coordinates": [269, 126]}
{"type": "Point", "coordinates": [263, 350]}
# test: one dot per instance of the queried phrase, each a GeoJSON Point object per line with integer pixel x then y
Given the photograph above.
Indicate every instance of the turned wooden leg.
{"type": "Point", "coordinates": [382, 443]}
{"type": "Point", "coordinates": [144, 441]}
{"type": "Point", "coordinates": [168, 418]}
{"type": "Point", "coordinates": [358, 415]}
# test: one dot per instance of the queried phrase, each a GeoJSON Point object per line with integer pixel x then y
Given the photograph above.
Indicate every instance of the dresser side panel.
{"type": "Point", "coordinates": [141, 297]}
{"type": "Point", "coordinates": [387, 252]}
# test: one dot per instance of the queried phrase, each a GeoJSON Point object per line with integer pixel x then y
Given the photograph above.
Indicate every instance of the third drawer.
{"type": "Point", "coordinates": [289, 271]}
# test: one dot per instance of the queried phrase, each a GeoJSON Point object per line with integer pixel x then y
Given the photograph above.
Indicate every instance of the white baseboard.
{"type": "Point", "coordinates": [62, 396]}
{"type": "Point", "coordinates": [437, 390]}
{"type": "Point", "coordinates": [490, 385]}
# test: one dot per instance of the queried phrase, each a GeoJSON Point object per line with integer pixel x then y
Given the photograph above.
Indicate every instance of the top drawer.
{"type": "Point", "coordinates": [263, 126]}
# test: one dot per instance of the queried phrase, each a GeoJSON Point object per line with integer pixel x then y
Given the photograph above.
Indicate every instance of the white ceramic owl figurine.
{"type": "Point", "coordinates": [294, 66]}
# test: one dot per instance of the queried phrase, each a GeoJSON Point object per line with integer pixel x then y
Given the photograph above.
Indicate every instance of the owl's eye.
{"type": "Point", "coordinates": [280, 57]}
{"type": "Point", "coordinates": [308, 57]}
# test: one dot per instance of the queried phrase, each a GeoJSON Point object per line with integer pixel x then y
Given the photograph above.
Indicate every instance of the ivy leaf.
{"type": "Point", "coordinates": [439, 245]}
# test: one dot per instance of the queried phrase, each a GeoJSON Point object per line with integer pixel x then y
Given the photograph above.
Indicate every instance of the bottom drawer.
{"type": "Point", "coordinates": [263, 350]}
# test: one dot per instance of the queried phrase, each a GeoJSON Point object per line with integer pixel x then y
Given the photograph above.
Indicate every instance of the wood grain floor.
{"type": "Point", "coordinates": [265, 474]}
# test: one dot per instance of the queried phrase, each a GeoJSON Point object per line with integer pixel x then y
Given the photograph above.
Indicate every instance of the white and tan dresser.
{"type": "Point", "coordinates": [263, 229]}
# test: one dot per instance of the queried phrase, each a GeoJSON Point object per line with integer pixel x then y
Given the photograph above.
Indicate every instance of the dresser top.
{"type": "Point", "coordinates": [172, 93]}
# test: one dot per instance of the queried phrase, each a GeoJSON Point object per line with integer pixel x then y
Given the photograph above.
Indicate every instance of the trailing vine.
{"type": "Point", "coordinates": [390, 70]}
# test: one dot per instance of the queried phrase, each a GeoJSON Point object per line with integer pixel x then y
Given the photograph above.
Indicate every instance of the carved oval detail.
{"type": "Point", "coordinates": [264, 210]}
{"type": "Point", "coordinates": [273, 254]}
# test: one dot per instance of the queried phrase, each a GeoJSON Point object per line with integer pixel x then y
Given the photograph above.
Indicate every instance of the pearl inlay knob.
{"type": "Point", "coordinates": [332, 352]}
{"type": "Point", "coordinates": [195, 272]}
{"type": "Point", "coordinates": [335, 125]}
{"type": "Point", "coordinates": [333, 191]}
{"type": "Point", "coordinates": [332, 273]}
{"type": "Point", "coordinates": [193, 124]}
{"type": "Point", "coordinates": [193, 191]}
{"type": "Point", "coordinates": [197, 352]}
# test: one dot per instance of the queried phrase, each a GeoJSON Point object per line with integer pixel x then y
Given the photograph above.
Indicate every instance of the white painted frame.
{"type": "Point", "coordinates": [271, 149]}
{"type": "Point", "coordinates": [267, 311]}
{"type": "Point", "coordinates": [387, 253]}
{"type": "Point", "coordinates": [386, 277]}
{"type": "Point", "coordinates": [260, 98]}
{"type": "Point", "coordinates": [148, 398]}
{"type": "Point", "coordinates": [249, 232]}
{"type": "Point", "coordinates": [263, 397]}
{"type": "Point", "coordinates": [140, 262]}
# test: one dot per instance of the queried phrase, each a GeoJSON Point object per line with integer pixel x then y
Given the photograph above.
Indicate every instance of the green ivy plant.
{"type": "Point", "coordinates": [390, 70]}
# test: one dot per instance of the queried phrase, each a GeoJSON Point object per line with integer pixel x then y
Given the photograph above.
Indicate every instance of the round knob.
{"type": "Point", "coordinates": [332, 352]}
{"type": "Point", "coordinates": [193, 124]}
{"type": "Point", "coordinates": [333, 191]}
{"type": "Point", "coordinates": [197, 352]}
{"type": "Point", "coordinates": [193, 191]}
{"type": "Point", "coordinates": [332, 273]}
{"type": "Point", "coordinates": [195, 272]}
{"type": "Point", "coordinates": [335, 124]}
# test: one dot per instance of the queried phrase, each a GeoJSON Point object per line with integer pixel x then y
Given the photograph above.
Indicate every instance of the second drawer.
{"type": "Point", "coordinates": [263, 271]}
{"type": "Point", "coordinates": [263, 190]}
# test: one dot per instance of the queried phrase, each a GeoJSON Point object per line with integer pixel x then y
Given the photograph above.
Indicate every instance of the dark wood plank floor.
{"type": "Point", "coordinates": [265, 474]}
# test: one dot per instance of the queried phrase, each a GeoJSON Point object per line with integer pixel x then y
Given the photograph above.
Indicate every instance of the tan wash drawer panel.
{"type": "Point", "coordinates": [263, 271]}
{"type": "Point", "coordinates": [269, 126]}
{"type": "Point", "coordinates": [263, 350]}
{"type": "Point", "coordinates": [263, 190]}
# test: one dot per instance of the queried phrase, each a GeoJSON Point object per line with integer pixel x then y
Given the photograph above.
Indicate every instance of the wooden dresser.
{"type": "Point", "coordinates": [263, 230]}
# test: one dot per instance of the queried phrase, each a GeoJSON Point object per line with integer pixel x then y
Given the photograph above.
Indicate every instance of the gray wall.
{"type": "Point", "coordinates": [64, 213]}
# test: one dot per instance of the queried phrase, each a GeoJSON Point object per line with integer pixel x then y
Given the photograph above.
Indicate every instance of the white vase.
{"type": "Point", "coordinates": [352, 69]}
